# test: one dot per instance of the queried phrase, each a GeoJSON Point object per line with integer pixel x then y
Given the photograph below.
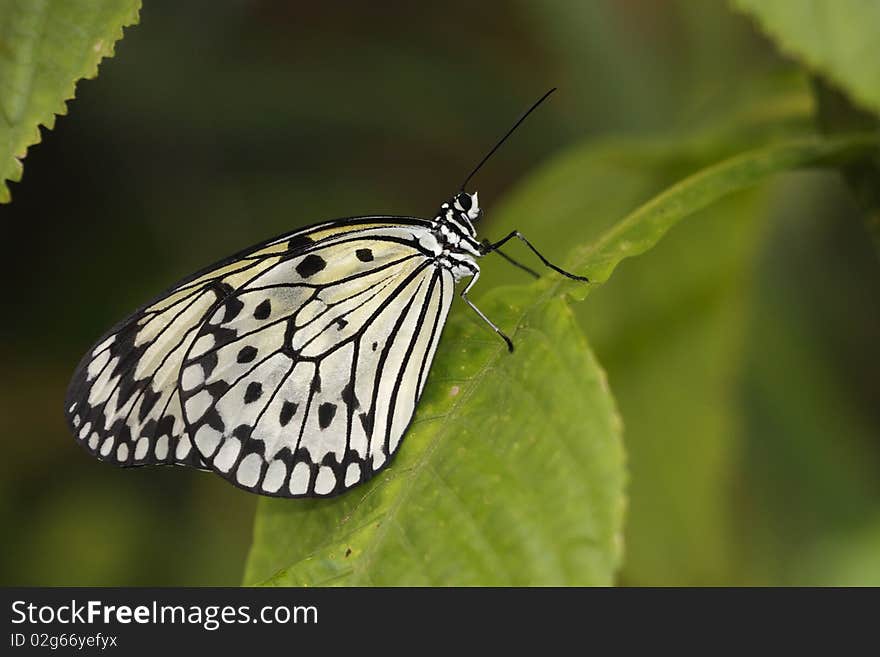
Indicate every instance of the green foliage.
{"type": "Point", "coordinates": [837, 38]}
{"type": "Point", "coordinates": [45, 47]}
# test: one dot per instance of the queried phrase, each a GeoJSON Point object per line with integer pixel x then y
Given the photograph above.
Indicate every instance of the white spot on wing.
{"type": "Point", "coordinates": [122, 452]}
{"type": "Point", "coordinates": [140, 450]}
{"type": "Point", "coordinates": [274, 476]}
{"type": "Point", "coordinates": [197, 405]}
{"type": "Point", "coordinates": [193, 376]}
{"type": "Point", "coordinates": [162, 448]}
{"type": "Point", "coordinates": [207, 438]}
{"type": "Point", "coordinates": [299, 480]}
{"type": "Point", "coordinates": [184, 446]}
{"type": "Point", "coordinates": [249, 470]}
{"type": "Point", "coordinates": [225, 458]}
{"type": "Point", "coordinates": [325, 481]}
{"type": "Point", "coordinates": [107, 446]}
{"type": "Point", "coordinates": [352, 474]}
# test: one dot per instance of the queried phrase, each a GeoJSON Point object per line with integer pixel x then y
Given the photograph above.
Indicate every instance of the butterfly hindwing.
{"type": "Point", "coordinates": [123, 403]}
{"type": "Point", "coordinates": [303, 381]}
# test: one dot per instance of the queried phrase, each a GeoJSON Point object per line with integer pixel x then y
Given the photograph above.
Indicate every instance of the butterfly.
{"type": "Point", "coordinates": [293, 368]}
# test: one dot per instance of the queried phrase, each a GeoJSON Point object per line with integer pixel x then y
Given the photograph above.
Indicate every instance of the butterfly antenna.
{"type": "Point", "coordinates": [504, 138]}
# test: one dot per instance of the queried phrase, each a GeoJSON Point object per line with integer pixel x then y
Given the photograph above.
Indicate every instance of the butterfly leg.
{"type": "Point", "coordinates": [494, 246]}
{"type": "Point", "coordinates": [464, 295]}
{"type": "Point", "coordinates": [487, 247]}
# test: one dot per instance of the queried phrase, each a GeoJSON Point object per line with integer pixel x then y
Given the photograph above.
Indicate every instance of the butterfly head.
{"type": "Point", "coordinates": [458, 214]}
{"type": "Point", "coordinates": [467, 204]}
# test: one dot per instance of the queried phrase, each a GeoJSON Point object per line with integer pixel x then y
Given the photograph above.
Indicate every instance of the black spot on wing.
{"type": "Point", "coordinates": [364, 255]}
{"type": "Point", "coordinates": [217, 389]}
{"type": "Point", "coordinates": [246, 354]}
{"type": "Point", "coordinates": [341, 323]}
{"type": "Point", "coordinates": [288, 410]}
{"type": "Point", "coordinates": [254, 392]}
{"type": "Point", "coordinates": [349, 397]}
{"type": "Point", "coordinates": [326, 412]}
{"type": "Point", "coordinates": [263, 310]}
{"type": "Point", "coordinates": [311, 265]}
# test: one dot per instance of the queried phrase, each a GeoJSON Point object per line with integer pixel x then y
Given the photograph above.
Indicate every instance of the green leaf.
{"type": "Point", "coordinates": [45, 47]}
{"type": "Point", "coordinates": [643, 228]}
{"type": "Point", "coordinates": [837, 38]}
{"type": "Point", "coordinates": [669, 331]}
{"type": "Point", "coordinates": [512, 472]}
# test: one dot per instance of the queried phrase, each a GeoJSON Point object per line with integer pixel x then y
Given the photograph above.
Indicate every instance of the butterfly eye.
{"type": "Point", "coordinates": [464, 201]}
{"type": "Point", "coordinates": [471, 206]}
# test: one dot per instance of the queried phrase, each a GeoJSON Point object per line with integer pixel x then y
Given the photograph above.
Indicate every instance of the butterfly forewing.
{"type": "Point", "coordinates": [303, 381]}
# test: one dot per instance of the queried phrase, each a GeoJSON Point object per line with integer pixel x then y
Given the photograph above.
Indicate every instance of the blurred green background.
{"type": "Point", "coordinates": [742, 351]}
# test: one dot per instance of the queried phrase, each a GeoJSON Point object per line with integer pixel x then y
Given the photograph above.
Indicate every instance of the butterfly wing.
{"type": "Point", "coordinates": [123, 403]}
{"type": "Point", "coordinates": [303, 382]}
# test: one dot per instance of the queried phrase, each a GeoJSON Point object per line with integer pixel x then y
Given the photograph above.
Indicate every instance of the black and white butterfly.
{"type": "Point", "coordinates": [293, 368]}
